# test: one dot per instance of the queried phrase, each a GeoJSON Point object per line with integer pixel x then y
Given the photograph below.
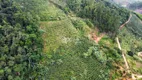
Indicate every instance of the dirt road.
{"type": "Point", "coordinates": [126, 22]}
{"type": "Point", "coordinates": [133, 76]}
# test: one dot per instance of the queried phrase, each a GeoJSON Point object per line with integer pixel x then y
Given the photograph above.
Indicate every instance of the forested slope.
{"type": "Point", "coordinates": [103, 14]}
{"type": "Point", "coordinates": [20, 43]}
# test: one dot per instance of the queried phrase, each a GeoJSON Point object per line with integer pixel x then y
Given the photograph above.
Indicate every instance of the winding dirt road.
{"type": "Point", "coordinates": [123, 55]}
{"type": "Point", "coordinates": [133, 76]}
{"type": "Point", "coordinates": [126, 22]}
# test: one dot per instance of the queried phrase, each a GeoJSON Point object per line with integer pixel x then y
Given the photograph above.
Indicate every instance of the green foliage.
{"type": "Point", "coordinates": [138, 15]}
{"type": "Point", "coordinates": [81, 26]}
{"type": "Point", "coordinates": [20, 43]}
{"type": "Point", "coordinates": [38, 7]}
{"type": "Point", "coordinates": [70, 56]}
{"type": "Point", "coordinates": [89, 23]}
{"type": "Point", "coordinates": [109, 48]}
{"type": "Point", "coordinates": [65, 48]}
{"type": "Point", "coordinates": [94, 51]}
{"type": "Point", "coordinates": [129, 40]}
{"type": "Point", "coordinates": [100, 13]}
{"type": "Point", "coordinates": [73, 4]}
{"type": "Point", "coordinates": [73, 67]}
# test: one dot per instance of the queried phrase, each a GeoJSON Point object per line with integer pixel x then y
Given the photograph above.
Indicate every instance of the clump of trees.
{"type": "Point", "coordinates": [35, 6]}
{"type": "Point", "coordinates": [105, 15]}
{"type": "Point", "coordinates": [20, 43]}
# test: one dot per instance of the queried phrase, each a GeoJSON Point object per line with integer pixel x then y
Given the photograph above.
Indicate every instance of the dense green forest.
{"type": "Point", "coordinates": [57, 40]}
{"type": "Point", "coordinates": [103, 14]}
{"type": "Point", "coordinates": [20, 43]}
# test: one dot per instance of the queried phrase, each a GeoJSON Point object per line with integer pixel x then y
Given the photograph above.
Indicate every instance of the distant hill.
{"type": "Point", "coordinates": [125, 3]}
{"type": "Point", "coordinates": [135, 5]}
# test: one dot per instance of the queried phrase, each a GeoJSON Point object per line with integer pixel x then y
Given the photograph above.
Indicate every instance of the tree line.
{"type": "Point", "coordinates": [105, 15]}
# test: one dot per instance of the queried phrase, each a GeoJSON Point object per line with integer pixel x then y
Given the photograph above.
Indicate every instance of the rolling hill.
{"type": "Point", "coordinates": [69, 40]}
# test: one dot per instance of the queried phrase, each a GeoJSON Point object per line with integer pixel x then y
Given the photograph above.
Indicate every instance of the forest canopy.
{"type": "Point", "coordinates": [20, 43]}
{"type": "Point", "coordinates": [105, 15]}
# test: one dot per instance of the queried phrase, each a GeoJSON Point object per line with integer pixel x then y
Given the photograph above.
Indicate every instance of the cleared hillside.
{"type": "Point", "coordinates": [66, 44]}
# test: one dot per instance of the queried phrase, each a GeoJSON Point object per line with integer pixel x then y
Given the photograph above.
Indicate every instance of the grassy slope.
{"type": "Point", "coordinates": [62, 32]}
{"type": "Point", "coordinates": [57, 32]}
{"type": "Point", "coordinates": [67, 42]}
{"type": "Point", "coordinates": [139, 15]}
{"type": "Point", "coordinates": [131, 34]}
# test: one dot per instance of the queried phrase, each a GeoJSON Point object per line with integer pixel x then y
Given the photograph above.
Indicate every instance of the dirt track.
{"type": "Point", "coordinates": [133, 76]}
{"type": "Point", "coordinates": [126, 22]}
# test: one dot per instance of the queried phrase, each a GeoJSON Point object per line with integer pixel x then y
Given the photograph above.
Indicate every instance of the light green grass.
{"type": "Point", "coordinates": [139, 15]}
{"type": "Point", "coordinates": [126, 38]}
{"type": "Point", "coordinates": [65, 43]}
{"type": "Point", "coordinates": [129, 41]}
{"type": "Point", "coordinates": [58, 33]}
{"type": "Point", "coordinates": [51, 13]}
{"type": "Point", "coordinates": [61, 30]}
{"type": "Point", "coordinates": [76, 68]}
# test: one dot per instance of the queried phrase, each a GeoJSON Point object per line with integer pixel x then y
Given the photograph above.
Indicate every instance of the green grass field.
{"type": "Point", "coordinates": [65, 40]}
{"type": "Point", "coordinates": [57, 31]}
